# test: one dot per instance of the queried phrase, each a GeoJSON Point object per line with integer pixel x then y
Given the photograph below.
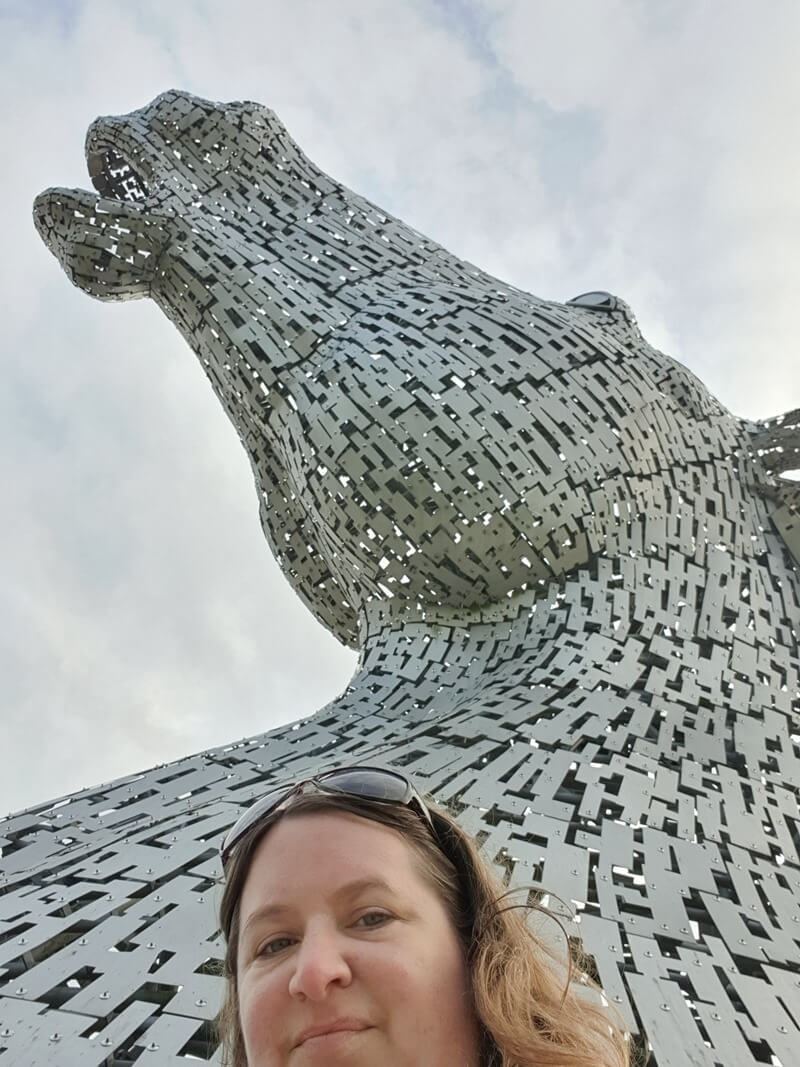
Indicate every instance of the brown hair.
{"type": "Point", "coordinates": [537, 1007]}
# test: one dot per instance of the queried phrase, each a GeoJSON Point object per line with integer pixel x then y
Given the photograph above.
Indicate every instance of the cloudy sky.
{"type": "Point", "coordinates": [647, 147]}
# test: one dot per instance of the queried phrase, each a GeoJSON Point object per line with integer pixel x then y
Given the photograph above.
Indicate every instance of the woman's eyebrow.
{"type": "Point", "coordinates": [267, 911]}
{"type": "Point", "coordinates": [349, 889]}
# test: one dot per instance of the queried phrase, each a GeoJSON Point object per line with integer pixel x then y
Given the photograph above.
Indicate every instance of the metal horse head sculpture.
{"type": "Point", "coordinates": [567, 568]}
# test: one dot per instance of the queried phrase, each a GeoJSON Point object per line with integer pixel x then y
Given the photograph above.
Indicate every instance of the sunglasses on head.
{"type": "Point", "coordinates": [365, 783]}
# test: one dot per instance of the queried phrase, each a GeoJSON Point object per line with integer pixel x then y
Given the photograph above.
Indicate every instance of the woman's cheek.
{"type": "Point", "coordinates": [258, 996]}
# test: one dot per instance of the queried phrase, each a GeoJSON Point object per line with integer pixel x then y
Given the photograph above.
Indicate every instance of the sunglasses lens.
{"type": "Point", "coordinates": [251, 816]}
{"type": "Point", "coordinates": [366, 782]}
{"type": "Point", "coordinates": [373, 783]}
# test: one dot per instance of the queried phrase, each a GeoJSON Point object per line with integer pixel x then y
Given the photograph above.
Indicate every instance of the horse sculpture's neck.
{"type": "Point", "coordinates": [713, 651]}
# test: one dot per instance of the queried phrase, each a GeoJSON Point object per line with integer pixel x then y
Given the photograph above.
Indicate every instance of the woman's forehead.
{"type": "Point", "coordinates": [327, 846]}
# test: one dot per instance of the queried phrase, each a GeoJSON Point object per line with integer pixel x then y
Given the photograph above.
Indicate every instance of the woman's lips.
{"type": "Point", "coordinates": [330, 1029]}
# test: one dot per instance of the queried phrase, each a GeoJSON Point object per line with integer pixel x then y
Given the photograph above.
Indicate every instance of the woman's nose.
{"type": "Point", "coordinates": [319, 964]}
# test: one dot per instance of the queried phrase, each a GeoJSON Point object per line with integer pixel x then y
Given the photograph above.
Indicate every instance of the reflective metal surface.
{"type": "Point", "coordinates": [568, 570]}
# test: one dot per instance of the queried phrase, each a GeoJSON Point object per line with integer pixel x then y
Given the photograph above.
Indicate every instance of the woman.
{"type": "Point", "coordinates": [363, 928]}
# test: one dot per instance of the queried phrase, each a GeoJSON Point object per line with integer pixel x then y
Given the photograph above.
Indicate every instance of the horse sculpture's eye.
{"type": "Point", "coordinates": [598, 299]}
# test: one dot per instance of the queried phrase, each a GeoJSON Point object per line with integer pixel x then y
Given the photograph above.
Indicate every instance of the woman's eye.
{"type": "Point", "coordinates": [374, 918]}
{"type": "Point", "coordinates": [273, 947]}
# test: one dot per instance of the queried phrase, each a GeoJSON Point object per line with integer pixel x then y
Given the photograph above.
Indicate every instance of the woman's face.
{"type": "Point", "coordinates": [347, 955]}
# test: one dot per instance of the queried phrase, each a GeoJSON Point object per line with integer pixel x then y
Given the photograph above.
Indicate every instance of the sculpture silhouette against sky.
{"type": "Point", "coordinates": [567, 568]}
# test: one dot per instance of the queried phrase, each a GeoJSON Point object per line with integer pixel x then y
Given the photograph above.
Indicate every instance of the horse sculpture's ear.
{"type": "Point", "coordinates": [777, 443]}
{"type": "Point", "coordinates": [688, 392]}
